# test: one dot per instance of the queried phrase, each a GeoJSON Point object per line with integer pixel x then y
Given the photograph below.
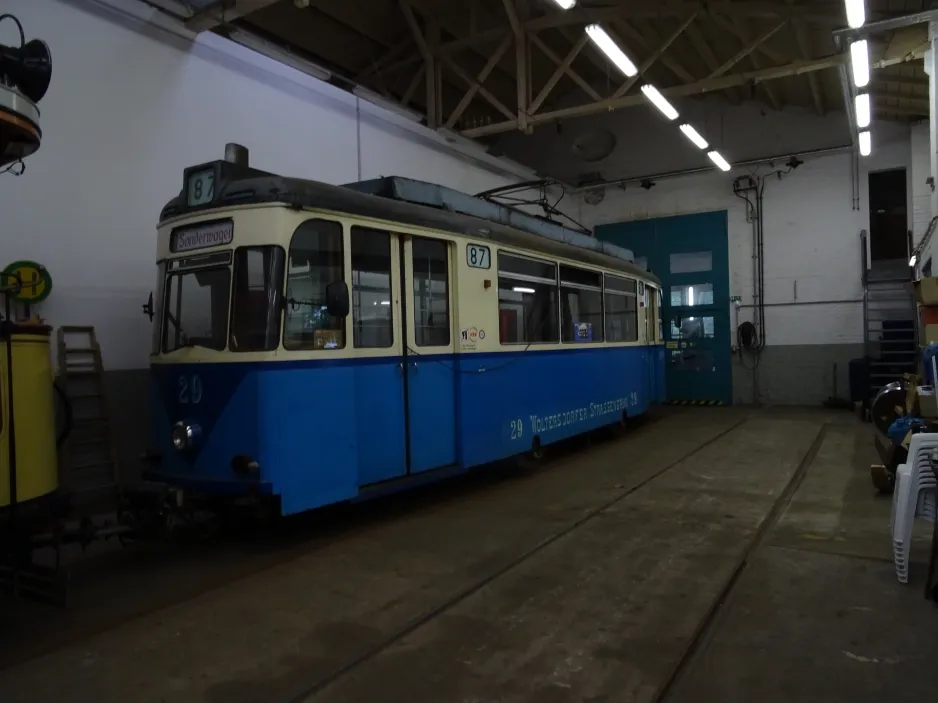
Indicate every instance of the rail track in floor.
{"type": "Point", "coordinates": [321, 683]}
{"type": "Point", "coordinates": [32, 630]}
{"type": "Point", "coordinates": [358, 521]}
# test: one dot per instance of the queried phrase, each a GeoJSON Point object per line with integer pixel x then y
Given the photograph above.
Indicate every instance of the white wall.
{"type": "Point", "coordinates": [131, 104]}
{"type": "Point", "coordinates": [811, 235]}
{"type": "Point", "coordinates": [925, 149]}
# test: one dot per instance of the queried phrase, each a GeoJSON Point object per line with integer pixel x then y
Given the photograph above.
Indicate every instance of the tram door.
{"type": "Point", "coordinates": [430, 378]}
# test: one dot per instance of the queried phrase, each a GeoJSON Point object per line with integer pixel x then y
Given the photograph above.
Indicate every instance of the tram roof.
{"type": "Point", "coordinates": [391, 199]}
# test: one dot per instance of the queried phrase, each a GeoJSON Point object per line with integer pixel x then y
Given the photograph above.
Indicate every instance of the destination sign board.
{"type": "Point", "coordinates": [202, 236]}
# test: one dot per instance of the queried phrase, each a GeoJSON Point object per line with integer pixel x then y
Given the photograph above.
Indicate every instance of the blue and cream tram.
{"type": "Point", "coordinates": [315, 342]}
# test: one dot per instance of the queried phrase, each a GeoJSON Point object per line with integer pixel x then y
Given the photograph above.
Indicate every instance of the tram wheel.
{"type": "Point", "coordinates": [532, 459]}
{"type": "Point", "coordinates": [617, 429]}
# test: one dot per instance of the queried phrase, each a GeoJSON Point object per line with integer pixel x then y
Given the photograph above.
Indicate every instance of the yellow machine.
{"type": "Point", "coordinates": [37, 473]}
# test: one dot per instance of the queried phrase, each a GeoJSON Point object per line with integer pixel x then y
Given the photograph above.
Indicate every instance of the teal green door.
{"type": "Point", "coordinates": [690, 254]}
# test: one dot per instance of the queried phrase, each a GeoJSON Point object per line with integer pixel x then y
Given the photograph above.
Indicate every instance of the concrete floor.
{"type": "Point", "coordinates": [603, 612]}
{"type": "Point", "coordinates": [818, 613]}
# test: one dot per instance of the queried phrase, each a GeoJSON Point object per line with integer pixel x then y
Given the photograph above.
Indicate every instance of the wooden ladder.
{"type": "Point", "coordinates": [88, 461]}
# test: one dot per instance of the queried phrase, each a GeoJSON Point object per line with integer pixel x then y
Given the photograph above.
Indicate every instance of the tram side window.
{"type": "Point", "coordinates": [527, 301]}
{"type": "Point", "coordinates": [431, 292]}
{"type": "Point", "coordinates": [621, 309]}
{"type": "Point", "coordinates": [372, 316]}
{"type": "Point", "coordinates": [316, 260]}
{"type": "Point", "coordinates": [255, 299]}
{"type": "Point", "coordinates": [581, 305]}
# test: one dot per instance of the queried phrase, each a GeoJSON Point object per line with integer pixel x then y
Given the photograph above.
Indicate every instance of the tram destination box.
{"type": "Point", "coordinates": [926, 290]}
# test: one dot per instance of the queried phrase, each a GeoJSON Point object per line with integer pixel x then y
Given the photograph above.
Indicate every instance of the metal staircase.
{"type": "Point", "coordinates": [890, 322]}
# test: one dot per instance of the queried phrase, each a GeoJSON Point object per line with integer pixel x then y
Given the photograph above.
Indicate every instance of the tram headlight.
{"type": "Point", "coordinates": [185, 435]}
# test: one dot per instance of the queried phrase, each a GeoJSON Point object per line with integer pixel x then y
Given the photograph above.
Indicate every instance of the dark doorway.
{"type": "Point", "coordinates": [889, 215]}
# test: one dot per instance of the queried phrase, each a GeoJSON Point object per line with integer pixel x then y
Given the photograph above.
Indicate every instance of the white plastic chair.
{"type": "Point", "coordinates": [914, 496]}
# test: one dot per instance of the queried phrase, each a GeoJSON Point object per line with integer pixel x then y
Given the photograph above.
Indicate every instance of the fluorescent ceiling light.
{"type": "Point", "coordinates": [520, 289]}
{"type": "Point", "coordinates": [860, 59]}
{"type": "Point", "coordinates": [718, 160]}
{"type": "Point", "coordinates": [863, 110]}
{"type": "Point", "coordinates": [866, 143]}
{"type": "Point", "coordinates": [659, 101]}
{"type": "Point", "coordinates": [694, 136]}
{"type": "Point", "coordinates": [567, 4]}
{"type": "Point", "coordinates": [856, 13]}
{"type": "Point", "coordinates": [690, 296]}
{"type": "Point", "coordinates": [612, 51]}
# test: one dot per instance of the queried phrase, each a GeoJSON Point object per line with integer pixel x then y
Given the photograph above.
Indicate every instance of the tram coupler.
{"type": "Point", "coordinates": [156, 511]}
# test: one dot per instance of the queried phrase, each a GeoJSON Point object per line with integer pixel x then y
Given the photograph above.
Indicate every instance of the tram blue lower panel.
{"type": "Point", "coordinates": [432, 398]}
{"type": "Point", "coordinates": [323, 431]}
{"type": "Point", "coordinates": [661, 355]}
{"type": "Point", "coordinates": [224, 403]}
{"type": "Point", "coordinates": [506, 400]}
{"type": "Point", "coordinates": [379, 421]}
{"type": "Point", "coordinates": [298, 422]}
{"type": "Point", "coordinates": [312, 430]}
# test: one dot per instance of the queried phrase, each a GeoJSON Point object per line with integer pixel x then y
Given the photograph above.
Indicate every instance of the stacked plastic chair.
{"type": "Point", "coordinates": [914, 495]}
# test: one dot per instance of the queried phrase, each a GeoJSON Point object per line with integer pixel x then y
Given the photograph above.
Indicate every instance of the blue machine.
{"type": "Point", "coordinates": [271, 379]}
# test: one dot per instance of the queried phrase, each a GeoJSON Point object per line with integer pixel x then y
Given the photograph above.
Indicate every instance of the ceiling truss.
{"type": "Point", "coordinates": [708, 85]}
{"type": "Point", "coordinates": [489, 67]}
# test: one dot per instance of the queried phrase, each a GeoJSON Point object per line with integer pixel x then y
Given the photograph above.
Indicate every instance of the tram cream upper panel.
{"type": "Point", "coordinates": [254, 225]}
{"type": "Point", "coordinates": [473, 290]}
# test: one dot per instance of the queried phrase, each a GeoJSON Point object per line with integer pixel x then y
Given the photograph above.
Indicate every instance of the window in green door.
{"type": "Point", "coordinates": [691, 327]}
{"type": "Point", "coordinates": [691, 262]}
{"type": "Point", "coordinates": [691, 295]}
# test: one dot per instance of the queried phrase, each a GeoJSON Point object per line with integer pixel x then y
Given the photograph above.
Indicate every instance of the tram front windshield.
{"type": "Point", "coordinates": [196, 303]}
{"type": "Point", "coordinates": [196, 309]}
